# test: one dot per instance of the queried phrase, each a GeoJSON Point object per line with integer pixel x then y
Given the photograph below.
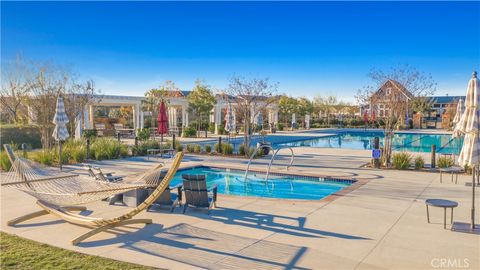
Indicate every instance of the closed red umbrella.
{"type": "Point", "coordinates": [365, 118]}
{"type": "Point", "coordinates": [162, 121]}
{"type": "Point", "coordinates": [373, 116]}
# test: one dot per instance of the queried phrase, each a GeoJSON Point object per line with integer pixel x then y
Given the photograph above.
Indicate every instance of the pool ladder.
{"type": "Point", "coordinates": [275, 152]}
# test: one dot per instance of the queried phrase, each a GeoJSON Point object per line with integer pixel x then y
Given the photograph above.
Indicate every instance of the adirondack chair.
{"type": "Point", "coordinates": [196, 192]}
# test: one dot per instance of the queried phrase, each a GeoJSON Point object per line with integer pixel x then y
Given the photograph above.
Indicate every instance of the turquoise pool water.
{"type": "Point", "coordinates": [279, 186]}
{"type": "Point", "coordinates": [401, 142]}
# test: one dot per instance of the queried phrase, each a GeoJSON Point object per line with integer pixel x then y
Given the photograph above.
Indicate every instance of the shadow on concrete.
{"type": "Point", "coordinates": [207, 248]}
{"type": "Point", "coordinates": [268, 222]}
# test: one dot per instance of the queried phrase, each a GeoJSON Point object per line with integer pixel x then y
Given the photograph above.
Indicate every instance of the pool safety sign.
{"type": "Point", "coordinates": [376, 153]}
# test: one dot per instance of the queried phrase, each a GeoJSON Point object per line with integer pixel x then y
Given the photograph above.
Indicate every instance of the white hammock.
{"type": "Point", "coordinates": [64, 189]}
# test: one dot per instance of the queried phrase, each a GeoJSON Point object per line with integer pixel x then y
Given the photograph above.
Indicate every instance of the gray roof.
{"type": "Point", "coordinates": [446, 99]}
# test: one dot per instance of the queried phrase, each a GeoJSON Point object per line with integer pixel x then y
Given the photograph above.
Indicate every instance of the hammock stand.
{"type": "Point", "coordinates": [97, 224]}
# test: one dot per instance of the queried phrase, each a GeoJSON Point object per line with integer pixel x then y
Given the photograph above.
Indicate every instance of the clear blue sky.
{"type": "Point", "coordinates": [309, 48]}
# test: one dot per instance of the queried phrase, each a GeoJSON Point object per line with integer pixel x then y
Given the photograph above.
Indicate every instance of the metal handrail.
{"type": "Point", "coordinates": [273, 157]}
{"type": "Point", "coordinates": [252, 156]}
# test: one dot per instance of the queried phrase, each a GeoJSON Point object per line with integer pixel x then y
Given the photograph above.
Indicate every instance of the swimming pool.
{"type": "Point", "coordinates": [413, 142]}
{"type": "Point", "coordinates": [232, 182]}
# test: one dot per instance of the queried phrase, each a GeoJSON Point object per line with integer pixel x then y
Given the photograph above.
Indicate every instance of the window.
{"type": "Point", "coordinates": [389, 91]}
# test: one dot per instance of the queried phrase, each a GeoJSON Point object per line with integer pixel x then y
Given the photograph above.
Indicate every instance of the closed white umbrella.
{"type": "Point", "coordinates": [230, 124]}
{"type": "Point", "coordinates": [294, 120]}
{"type": "Point", "coordinates": [459, 112]}
{"type": "Point", "coordinates": [456, 119]}
{"type": "Point", "coordinates": [78, 127]}
{"type": "Point", "coordinates": [60, 133]}
{"type": "Point", "coordinates": [259, 119]}
{"type": "Point", "coordinates": [469, 125]}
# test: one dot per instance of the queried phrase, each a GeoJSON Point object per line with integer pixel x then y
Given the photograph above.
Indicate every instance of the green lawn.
{"type": "Point", "coordinates": [20, 253]}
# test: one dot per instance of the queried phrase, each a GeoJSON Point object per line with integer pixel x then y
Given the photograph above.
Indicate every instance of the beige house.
{"type": "Point", "coordinates": [391, 93]}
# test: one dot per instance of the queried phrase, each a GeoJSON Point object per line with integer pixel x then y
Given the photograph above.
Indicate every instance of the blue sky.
{"type": "Point", "coordinates": [309, 48]}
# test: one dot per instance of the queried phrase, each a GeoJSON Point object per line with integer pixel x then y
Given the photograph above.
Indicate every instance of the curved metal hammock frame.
{"type": "Point", "coordinates": [55, 192]}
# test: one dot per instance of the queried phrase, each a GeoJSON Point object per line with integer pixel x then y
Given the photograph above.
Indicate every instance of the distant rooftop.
{"type": "Point", "coordinates": [446, 99]}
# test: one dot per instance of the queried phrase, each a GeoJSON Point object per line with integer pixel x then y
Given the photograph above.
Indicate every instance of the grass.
{"type": "Point", "coordinates": [20, 253]}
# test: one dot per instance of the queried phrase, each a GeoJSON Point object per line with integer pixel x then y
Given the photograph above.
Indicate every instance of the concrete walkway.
{"type": "Point", "coordinates": [380, 225]}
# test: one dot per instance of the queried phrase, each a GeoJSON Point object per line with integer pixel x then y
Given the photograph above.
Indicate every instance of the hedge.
{"type": "Point", "coordinates": [12, 134]}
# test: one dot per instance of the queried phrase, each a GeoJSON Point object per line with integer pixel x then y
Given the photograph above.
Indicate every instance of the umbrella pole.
{"type": "Point", "coordinates": [60, 154]}
{"type": "Point", "coordinates": [161, 145]}
{"type": "Point", "coordinates": [474, 173]}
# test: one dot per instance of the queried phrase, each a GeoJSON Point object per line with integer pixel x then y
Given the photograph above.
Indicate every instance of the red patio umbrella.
{"type": "Point", "coordinates": [162, 121]}
{"type": "Point", "coordinates": [365, 118]}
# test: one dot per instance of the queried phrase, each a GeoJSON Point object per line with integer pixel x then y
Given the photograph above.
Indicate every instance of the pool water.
{"type": "Point", "coordinates": [401, 142]}
{"type": "Point", "coordinates": [279, 186]}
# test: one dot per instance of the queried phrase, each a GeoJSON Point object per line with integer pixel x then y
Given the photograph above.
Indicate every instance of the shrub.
{"type": "Point", "coordinates": [279, 126]}
{"type": "Point", "coordinates": [419, 162]}
{"type": "Point", "coordinates": [21, 134]}
{"type": "Point", "coordinates": [177, 142]}
{"type": "Point", "coordinates": [190, 131]}
{"type": "Point", "coordinates": [74, 151]}
{"type": "Point", "coordinates": [216, 148]}
{"type": "Point", "coordinates": [227, 148]}
{"type": "Point", "coordinates": [46, 157]}
{"type": "Point", "coordinates": [241, 149]}
{"type": "Point", "coordinates": [89, 133]}
{"type": "Point", "coordinates": [251, 150]}
{"type": "Point", "coordinates": [190, 148]}
{"type": "Point", "coordinates": [108, 148]}
{"type": "Point", "coordinates": [78, 155]}
{"type": "Point", "coordinates": [197, 148]}
{"type": "Point", "coordinates": [221, 130]}
{"type": "Point", "coordinates": [208, 148]}
{"type": "Point", "coordinates": [445, 162]}
{"type": "Point", "coordinates": [143, 134]}
{"type": "Point", "coordinates": [178, 147]}
{"type": "Point", "coordinates": [401, 161]}
{"type": "Point", "coordinates": [211, 127]}
{"type": "Point", "coordinates": [4, 161]}
{"type": "Point", "coordinates": [259, 153]}
{"type": "Point", "coordinates": [142, 147]}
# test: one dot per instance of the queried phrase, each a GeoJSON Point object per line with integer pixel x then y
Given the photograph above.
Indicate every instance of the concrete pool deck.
{"type": "Point", "coordinates": [380, 225]}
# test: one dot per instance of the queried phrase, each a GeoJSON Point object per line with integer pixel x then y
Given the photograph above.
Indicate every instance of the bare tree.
{"type": "Point", "coordinates": [326, 105]}
{"type": "Point", "coordinates": [76, 97]}
{"type": "Point", "coordinates": [252, 96]}
{"type": "Point", "coordinates": [396, 91]}
{"type": "Point", "coordinates": [15, 90]}
{"type": "Point", "coordinates": [155, 96]}
{"type": "Point", "coordinates": [36, 86]}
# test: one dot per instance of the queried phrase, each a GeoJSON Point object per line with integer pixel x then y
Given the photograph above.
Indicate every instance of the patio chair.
{"type": "Point", "coordinates": [106, 177]}
{"type": "Point", "coordinates": [196, 192]}
{"type": "Point", "coordinates": [99, 175]}
{"type": "Point", "coordinates": [168, 198]}
{"type": "Point", "coordinates": [117, 126]}
{"type": "Point", "coordinates": [100, 129]}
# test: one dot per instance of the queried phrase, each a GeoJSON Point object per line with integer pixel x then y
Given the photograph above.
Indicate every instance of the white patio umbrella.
{"type": "Point", "coordinates": [294, 120]}
{"type": "Point", "coordinates": [469, 125]}
{"type": "Point", "coordinates": [259, 119]}
{"type": "Point", "coordinates": [60, 133]}
{"type": "Point", "coordinates": [456, 119]}
{"type": "Point", "coordinates": [230, 124]}
{"type": "Point", "coordinates": [459, 111]}
{"type": "Point", "coordinates": [78, 126]}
